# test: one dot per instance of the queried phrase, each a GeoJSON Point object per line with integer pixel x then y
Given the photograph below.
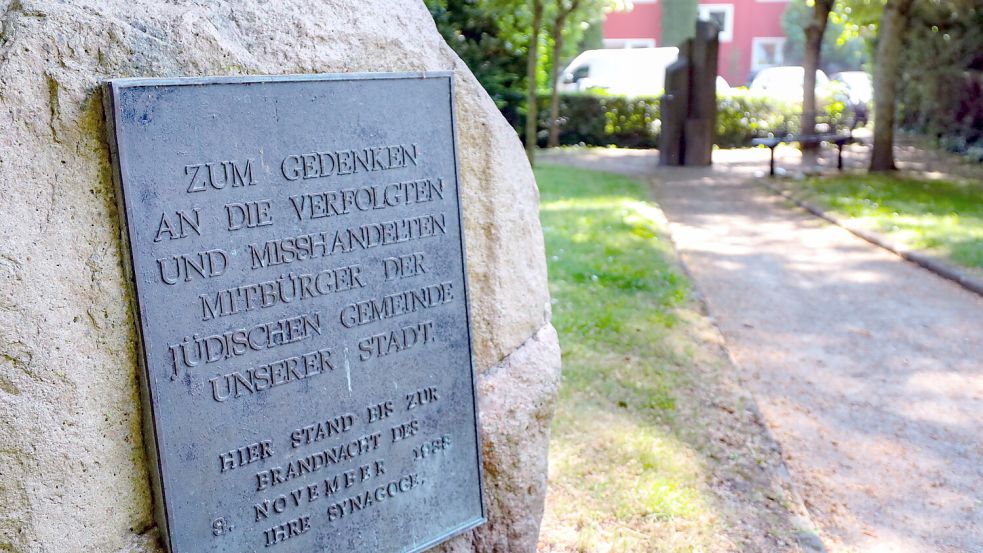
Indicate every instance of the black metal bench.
{"type": "Point", "coordinates": [772, 142]}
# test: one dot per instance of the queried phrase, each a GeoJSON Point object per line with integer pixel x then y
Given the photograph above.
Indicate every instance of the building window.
{"type": "Point", "coordinates": [629, 43]}
{"type": "Point", "coordinates": [722, 15]}
{"type": "Point", "coordinates": [767, 52]}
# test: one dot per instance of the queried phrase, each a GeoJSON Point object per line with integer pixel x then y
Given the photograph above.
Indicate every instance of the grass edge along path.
{"type": "Point", "coordinates": [941, 218]}
{"type": "Point", "coordinates": [655, 447]}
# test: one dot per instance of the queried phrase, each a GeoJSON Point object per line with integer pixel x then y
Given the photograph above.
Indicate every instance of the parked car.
{"type": "Point", "coordinates": [857, 91]}
{"type": "Point", "coordinates": [786, 83]}
{"type": "Point", "coordinates": [722, 84]}
{"type": "Point", "coordinates": [627, 71]}
{"type": "Point", "coordinates": [859, 85]}
{"type": "Point", "coordinates": [623, 71]}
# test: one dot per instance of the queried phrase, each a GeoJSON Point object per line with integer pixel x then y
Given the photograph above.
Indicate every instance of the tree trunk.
{"type": "Point", "coordinates": [558, 23]}
{"type": "Point", "coordinates": [531, 63]}
{"type": "Point", "coordinates": [886, 73]}
{"type": "Point", "coordinates": [813, 50]}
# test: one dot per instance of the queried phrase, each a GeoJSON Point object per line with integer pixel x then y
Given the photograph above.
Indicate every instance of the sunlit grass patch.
{"type": "Point", "coordinates": [620, 477]}
{"type": "Point", "coordinates": [937, 215]}
{"type": "Point", "coordinates": [623, 485]}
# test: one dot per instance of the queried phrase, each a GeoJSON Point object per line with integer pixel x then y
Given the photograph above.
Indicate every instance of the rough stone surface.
{"type": "Point", "coordinates": [72, 464]}
{"type": "Point", "coordinates": [516, 402]}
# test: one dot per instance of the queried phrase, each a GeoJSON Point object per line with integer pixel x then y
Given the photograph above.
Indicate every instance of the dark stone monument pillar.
{"type": "Point", "coordinates": [689, 107]}
{"type": "Point", "coordinates": [675, 106]}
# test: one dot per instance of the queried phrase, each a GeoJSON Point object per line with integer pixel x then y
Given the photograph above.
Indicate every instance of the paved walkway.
{"type": "Point", "coordinates": [868, 369]}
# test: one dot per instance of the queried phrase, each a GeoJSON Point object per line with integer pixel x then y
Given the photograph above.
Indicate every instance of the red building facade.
{"type": "Point", "coordinates": [751, 36]}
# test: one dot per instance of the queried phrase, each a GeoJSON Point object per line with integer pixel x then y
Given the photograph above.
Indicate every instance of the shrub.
{"type": "Point", "coordinates": [607, 120]}
{"type": "Point", "coordinates": [603, 120]}
{"type": "Point", "coordinates": [743, 115]}
{"type": "Point", "coordinates": [959, 130]}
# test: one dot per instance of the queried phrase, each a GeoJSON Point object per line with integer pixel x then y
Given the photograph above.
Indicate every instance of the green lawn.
{"type": "Point", "coordinates": [941, 217]}
{"type": "Point", "coordinates": [655, 444]}
{"type": "Point", "coordinates": [620, 478]}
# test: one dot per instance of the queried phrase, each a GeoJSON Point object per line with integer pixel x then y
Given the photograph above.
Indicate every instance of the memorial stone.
{"type": "Point", "coordinates": [74, 467]}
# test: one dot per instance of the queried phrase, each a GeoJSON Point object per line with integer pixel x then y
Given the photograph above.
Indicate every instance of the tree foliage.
{"type": "Point", "coordinates": [561, 33]}
{"type": "Point", "coordinates": [678, 17]}
{"type": "Point", "coordinates": [939, 65]}
{"type": "Point", "coordinates": [843, 46]}
{"type": "Point", "coordinates": [493, 39]}
{"type": "Point", "coordinates": [814, 31]}
{"type": "Point", "coordinates": [489, 39]}
{"type": "Point", "coordinates": [941, 89]}
{"type": "Point", "coordinates": [532, 59]}
{"type": "Point", "coordinates": [890, 44]}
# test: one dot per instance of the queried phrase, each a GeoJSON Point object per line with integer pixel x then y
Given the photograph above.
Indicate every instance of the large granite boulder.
{"type": "Point", "coordinates": [73, 473]}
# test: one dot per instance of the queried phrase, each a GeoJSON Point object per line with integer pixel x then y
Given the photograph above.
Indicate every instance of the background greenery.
{"type": "Point", "coordinates": [608, 120]}
{"type": "Point", "coordinates": [843, 49]}
{"type": "Point", "coordinates": [492, 38]}
{"type": "Point", "coordinates": [941, 83]}
{"type": "Point", "coordinates": [942, 74]}
{"type": "Point", "coordinates": [941, 89]}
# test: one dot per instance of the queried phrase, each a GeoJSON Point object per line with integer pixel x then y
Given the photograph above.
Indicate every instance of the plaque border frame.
{"type": "Point", "coordinates": [110, 88]}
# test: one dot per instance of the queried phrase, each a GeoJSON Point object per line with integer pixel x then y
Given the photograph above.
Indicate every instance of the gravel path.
{"type": "Point", "coordinates": [868, 369]}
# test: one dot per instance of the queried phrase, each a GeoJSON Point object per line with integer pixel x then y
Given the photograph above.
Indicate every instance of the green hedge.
{"type": "Point", "coordinates": [597, 120]}
{"type": "Point", "coordinates": [602, 120]}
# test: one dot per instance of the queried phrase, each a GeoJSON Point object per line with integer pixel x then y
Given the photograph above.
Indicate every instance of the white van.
{"type": "Point", "coordinates": [627, 71]}
{"type": "Point", "coordinates": [622, 71]}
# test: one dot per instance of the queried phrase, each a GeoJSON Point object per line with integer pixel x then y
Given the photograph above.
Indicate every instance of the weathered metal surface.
{"type": "Point", "coordinates": [296, 249]}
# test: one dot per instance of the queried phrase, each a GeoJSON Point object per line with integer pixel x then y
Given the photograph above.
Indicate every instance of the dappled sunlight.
{"type": "Point", "coordinates": [623, 161]}
{"type": "Point", "coordinates": [598, 202]}
{"type": "Point", "coordinates": [867, 367]}
{"type": "Point", "coordinates": [619, 480]}
{"type": "Point", "coordinates": [712, 235]}
{"type": "Point", "coordinates": [947, 384]}
{"type": "Point", "coordinates": [939, 388]}
{"type": "Point", "coordinates": [921, 487]}
{"type": "Point", "coordinates": [936, 411]}
{"type": "Point", "coordinates": [856, 276]}
{"type": "Point", "coordinates": [652, 490]}
{"type": "Point", "coordinates": [941, 216]}
{"type": "Point", "coordinates": [934, 175]}
{"type": "Point", "coordinates": [636, 448]}
{"type": "Point", "coordinates": [889, 541]}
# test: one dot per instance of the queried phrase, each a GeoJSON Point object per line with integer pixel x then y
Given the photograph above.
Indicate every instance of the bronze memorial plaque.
{"type": "Point", "coordinates": [296, 250]}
